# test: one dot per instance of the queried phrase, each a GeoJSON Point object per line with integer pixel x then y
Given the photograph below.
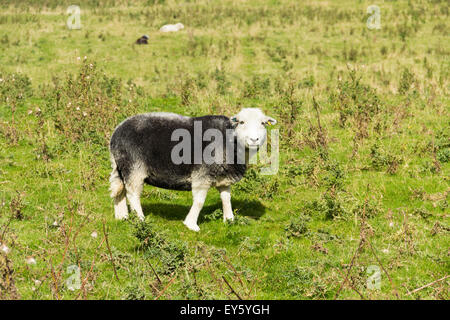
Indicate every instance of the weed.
{"type": "Point", "coordinates": [88, 107]}
{"type": "Point", "coordinates": [133, 292]}
{"type": "Point", "coordinates": [316, 137]}
{"type": "Point", "coordinates": [186, 91]}
{"type": "Point", "coordinates": [222, 82]}
{"type": "Point", "coordinates": [8, 290]}
{"type": "Point", "coordinates": [254, 183]}
{"type": "Point", "coordinates": [357, 101]}
{"type": "Point", "coordinates": [291, 107]}
{"type": "Point", "coordinates": [256, 87]}
{"type": "Point", "coordinates": [17, 206]}
{"type": "Point", "coordinates": [406, 81]}
{"type": "Point", "coordinates": [422, 212]}
{"type": "Point", "coordinates": [370, 208]}
{"type": "Point", "coordinates": [330, 205]}
{"type": "Point", "coordinates": [240, 220]}
{"type": "Point", "coordinates": [442, 145]}
{"type": "Point", "coordinates": [297, 227]}
{"type": "Point", "coordinates": [170, 253]}
{"type": "Point", "coordinates": [14, 86]}
{"type": "Point", "coordinates": [307, 82]}
{"type": "Point", "coordinates": [381, 159]}
{"type": "Point", "coordinates": [298, 280]}
{"type": "Point", "coordinates": [335, 176]}
{"type": "Point", "coordinates": [215, 215]}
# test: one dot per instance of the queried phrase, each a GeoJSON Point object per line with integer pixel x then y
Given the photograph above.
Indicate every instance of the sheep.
{"type": "Point", "coordinates": [143, 39]}
{"type": "Point", "coordinates": [172, 27]}
{"type": "Point", "coordinates": [147, 148]}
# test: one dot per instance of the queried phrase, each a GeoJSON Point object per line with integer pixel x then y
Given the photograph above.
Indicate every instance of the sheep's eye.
{"type": "Point", "coordinates": [241, 122]}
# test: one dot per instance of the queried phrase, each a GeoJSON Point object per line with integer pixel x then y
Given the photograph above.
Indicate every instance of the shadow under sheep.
{"type": "Point", "coordinates": [169, 211]}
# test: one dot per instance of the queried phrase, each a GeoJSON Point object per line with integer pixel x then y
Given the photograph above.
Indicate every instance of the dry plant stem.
{"type": "Point", "coordinates": [350, 268]}
{"type": "Point", "coordinates": [353, 288]}
{"type": "Point", "coordinates": [165, 288]}
{"type": "Point", "coordinates": [360, 245]}
{"type": "Point", "coordinates": [256, 279]}
{"type": "Point", "coordinates": [428, 285]}
{"type": "Point", "coordinates": [109, 250]}
{"type": "Point", "coordinates": [322, 139]}
{"type": "Point", "coordinates": [154, 272]}
{"type": "Point", "coordinates": [66, 248]}
{"type": "Point", "coordinates": [382, 267]}
{"type": "Point", "coordinates": [196, 282]}
{"type": "Point", "coordinates": [316, 108]}
{"type": "Point", "coordinates": [83, 283]}
{"type": "Point", "coordinates": [154, 287]}
{"type": "Point", "coordinates": [211, 272]}
{"type": "Point", "coordinates": [55, 282]}
{"type": "Point", "coordinates": [40, 285]}
{"type": "Point", "coordinates": [234, 269]}
{"type": "Point", "coordinates": [6, 228]}
{"type": "Point", "coordinates": [359, 293]}
{"type": "Point", "coordinates": [231, 288]}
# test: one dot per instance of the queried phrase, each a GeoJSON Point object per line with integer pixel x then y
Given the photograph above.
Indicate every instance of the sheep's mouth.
{"type": "Point", "coordinates": [253, 145]}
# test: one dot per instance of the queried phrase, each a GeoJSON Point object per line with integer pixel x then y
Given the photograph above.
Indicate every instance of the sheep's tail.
{"type": "Point", "coordinates": [117, 186]}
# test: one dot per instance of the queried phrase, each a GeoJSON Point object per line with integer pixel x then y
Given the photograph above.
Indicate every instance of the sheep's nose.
{"type": "Point", "coordinates": [254, 140]}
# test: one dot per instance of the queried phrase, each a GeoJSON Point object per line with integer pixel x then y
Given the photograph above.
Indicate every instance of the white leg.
{"type": "Point", "coordinates": [135, 203]}
{"type": "Point", "coordinates": [120, 207]}
{"type": "Point", "coordinates": [225, 195]}
{"type": "Point", "coordinates": [199, 196]}
{"type": "Point", "coordinates": [118, 192]}
{"type": "Point", "coordinates": [134, 189]}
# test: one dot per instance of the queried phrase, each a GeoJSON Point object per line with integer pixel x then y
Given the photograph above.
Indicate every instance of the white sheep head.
{"type": "Point", "coordinates": [250, 127]}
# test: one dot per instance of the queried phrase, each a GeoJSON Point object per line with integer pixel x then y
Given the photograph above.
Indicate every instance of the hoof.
{"type": "Point", "coordinates": [229, 218]}
{"type": "Point", "coordinates": [121, 216]}
{"type": "Point", "coordinates": [192, 226]}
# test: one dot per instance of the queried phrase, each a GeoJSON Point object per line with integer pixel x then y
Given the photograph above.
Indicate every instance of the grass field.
{"type": "Point", "coordinates": [363, 186]}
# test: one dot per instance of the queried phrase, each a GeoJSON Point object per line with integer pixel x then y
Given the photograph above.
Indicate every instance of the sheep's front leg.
{"type": "Point", "coordinates": [199, 196]}
{"type": "Point", "coordinates": [225, 195]}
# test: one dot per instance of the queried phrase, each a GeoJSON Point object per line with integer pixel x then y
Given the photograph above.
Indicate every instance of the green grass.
{"type": "Point", "coordinates": [374, 175]}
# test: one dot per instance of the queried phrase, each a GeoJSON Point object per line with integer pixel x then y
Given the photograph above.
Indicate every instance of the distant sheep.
{"type": "Point", "coordinates": [142, 151]}
{"type": "Point", "coordinates": [143, 39]}
{"type": "Point", "coordinates": [172, 27]}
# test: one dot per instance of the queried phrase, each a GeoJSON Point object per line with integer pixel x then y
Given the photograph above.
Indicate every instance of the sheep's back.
{"type": "Point", "coordinates": [143, 142]}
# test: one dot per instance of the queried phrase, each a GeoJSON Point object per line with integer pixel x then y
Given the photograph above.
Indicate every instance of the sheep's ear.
{"type": "Point", "coordinates": [270, 121]}
{"type": "Point", "coordinates": [234, 122]}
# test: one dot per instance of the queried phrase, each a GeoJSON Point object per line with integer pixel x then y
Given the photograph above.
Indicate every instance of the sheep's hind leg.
{"type": "Point", "coordinates": [199, 196]}
{"type": "Point", "coordinates": [134, 189]}
{"type": "Point", "coordinates": [118, 192]}
{"type": "Point", "coordinates": [225, 195]}
{"type": "Point", "coordinates": [135, 204]}
{"type": "Point", "coordinates": [120, 207]}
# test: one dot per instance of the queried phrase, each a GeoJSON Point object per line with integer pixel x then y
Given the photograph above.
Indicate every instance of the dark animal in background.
{"type": "Point", "coordinates": [143, 39]}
